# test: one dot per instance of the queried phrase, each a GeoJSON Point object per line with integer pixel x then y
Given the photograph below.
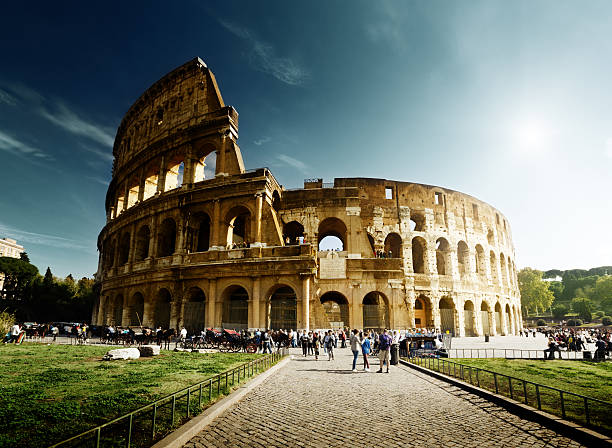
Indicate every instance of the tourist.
{"type": "Point", "coordinates": [294, 339]}
{"type": "Point", "coordinates": [343, 338]}
{"type": "Point", "coordinates": [330, 342]}
{"type": "Point", "coordinates": [355, 345]}
{"type": "Point", "coordinates": [315, 345]}
{"type": "Point", "coordinates": [304, 341]}
{"type": "Point", "coordinates": [267, 341]}
{"type": "Point", "coordinates": [384, 347]}
{"type": "Point", "coordinates": [366, 348]}
{"type": "Point", "coordinates": [310, 343]}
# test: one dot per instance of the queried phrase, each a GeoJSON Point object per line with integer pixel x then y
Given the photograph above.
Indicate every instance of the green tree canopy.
{"type": "Point", "coordinates": [18, 274]}
{"type": "Point", "coordinates": [535, 294]}
{"type": "Point", "coordinates": [559, 311]}
{"type": "Point", "coordinates": [584, 308]}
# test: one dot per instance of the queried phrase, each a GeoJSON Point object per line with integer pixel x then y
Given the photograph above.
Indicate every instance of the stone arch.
{"type": "Point", "coordinates": [124, 248]}
{"type": "Point", "coordinates": [175, 170]}
{"type": "Point", "coordinates": [419, 250]}
{"type": "Point", "coordinates": [162, 309]}
{"type": "Point", "coordinates": [205, 164]}
{"type": "Point", "coordinates": [375, 311]}
{"type": "Point", "coordinates": [484, 318]}
{"type": "Point", "coordinates": [143, 238]}
{"type": "Point", "coordinates": [151, 175]}
{"type": "Point", "coordinates": [133, 188]}
{"type": "Point", "coordinates": [480, 260]}
{"type": "Point", "coordinates": [331, 228]}
{"type": "Point", "coordinates": [393, 245]}
{"type": "Point", "coordinates": [446, 306]}
{"type": "Point", "coordinates": [463, 259]}
{"type": "Point", "coordinates": [498, 318]}
{"type": "Point", "coordinates": [110, 252]}
{"type": "Point", "coordinates": [283, 308]}
{"type": "Point", "coordinates": [493, 264]}
{"type": "Point", "coordinates": [235, 307]}
{"type": "Point", "coordinates": [443, 253]}
{"type": "Point", "coordinates": [509, 320]}
{"type": "Point", "coordinates": [166, 240]}
{"type": "Point", "coordinates": [194, 310]}
{"type": "Point", "coordinates": [136, 309]}
{"type": "Point", "coordinates": [336, 308]}
{"type": "Point", "coordinates": [491, 238]}
{"type": "Point", "coordinates": [504, 271]}
{"type": "Point", "coordinates": [469, 318]}
{"type": "Point", "coordinates": [201, 232]}
{"type": "Point", "coordinates": [117, 312]}
{"type": "Point", "coordinates": [423, 315]}
{"type": "Point", "coordinates": [417, 221]}
{"type": "Point", "coordinates": [293, 232]}
{"type": "Point", "coordinates": [238, 221]}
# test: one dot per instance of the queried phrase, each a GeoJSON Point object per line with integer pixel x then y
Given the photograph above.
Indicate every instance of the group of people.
{"type": "Point", "coordinates": [32, 331]}
{"type": "Point", "coordinates": [575, 340]}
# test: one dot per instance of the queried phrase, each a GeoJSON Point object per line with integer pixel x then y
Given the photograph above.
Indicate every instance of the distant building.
{"type": "Point", "coordinates": [9, 248]}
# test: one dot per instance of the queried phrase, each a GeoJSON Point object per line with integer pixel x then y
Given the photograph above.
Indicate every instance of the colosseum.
{"type": "Point", "coordinates": [193, 239]}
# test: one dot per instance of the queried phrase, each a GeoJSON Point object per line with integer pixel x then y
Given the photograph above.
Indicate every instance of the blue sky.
{"type": "Point", "coordinates": [507, 101]}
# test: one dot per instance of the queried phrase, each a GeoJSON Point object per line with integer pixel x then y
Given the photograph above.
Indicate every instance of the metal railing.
{"type": "Point", "coordinates": [143, 426]}
{"type": "Point", "coordinates": [585, 410]}
{"type": "Point", "coordinates": [510, 353]}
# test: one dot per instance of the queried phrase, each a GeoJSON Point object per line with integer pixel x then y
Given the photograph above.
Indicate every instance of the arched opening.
{"type": "Point", "coordinates": [498, 318]}
{"type": "Point", "coordinates": [136, 309]}
{"type": "Point", "coordinates": [393, 246]}
{"type": "Point", "coordinates": [110, 260]}
{"type": "Point", "coordinates": [174, 174]}
{"type": "Point", "coordinates": [293, 233]}
{"type": "Point", "coordinates": [133, 187]}
{"type": "Point", "coordinates": [375, 311]}
{"type": "Point", "coordinates": [504, 271]}
{"type": "Point", "coordinates": [490, 238]}
{"type": "Point", "coordinates": [124, 249]}
{"type": "Point", "coordinates": [422, 312]}
{"type": "Point", "coordinates": [336, 309]}
{"type": "Point", "coordinates": [493, 264]}
{"type": "Point", "coordinates": [205, 167]}
{"type": "Point", "coordinates": [150, 185]}
{"type": "Point", "coordinates": [238, 226]}
{"type": "Point", "coordinates": [442, 256]}
{"type": "Point", "coordinates": [480, 260]}
{"type": "Point", "coordinates": [166, 238]}
{"type": "Point", "coordinates": [372, 247]}
{"type": "Point", "coordinates": [509, 321]}
{"type": "Point", "coordinates": [194, 311]}
{"type": "Point", "coordinates": [418, 255]}
{"type": "Point", "coordinates": [276, 201]}
{"type": "Point", "coordinates": [235, 308]}
{"type": "Point", "coordinates": [332, 235]}
{"type": "Point", "coordinates": [120, 201]}
{"type": "Point", "coordinates": [202, 232]}
{"type": "Point", "coordinates": [143, 237]}
{"type": "Point", "coordinates": [162, 309]}
{"type": "Point", "coordinates": [283, 309]}
{"type": "Point", "coordinates": [484, 318]}
{"type": "Point", "coordinates": [117, 314]}
{"type": "Point", "coordinates": [463, 259]}
{"type": "Point", "coordinates": [469, 318]}
{"type": "Point", "coordinates": [447, 315]}
{"type": "Point", "coordinates": [417, 222]}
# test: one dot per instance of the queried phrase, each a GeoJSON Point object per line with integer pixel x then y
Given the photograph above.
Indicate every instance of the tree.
{"type": "Point", "coordinates": [559, 311]}
{"type": "Point", "coordinates": [17, 276]}
{"type": "Point", "coordinates": [584, 308]}
{"type": "Point", "coordinates": [603, 288]}
{"type": "Point", "coordinates": [535, 294]}
{"type": "Point", "coordinates": [24, 256]}
{"type": "Point", "coordinates": [557, 290]}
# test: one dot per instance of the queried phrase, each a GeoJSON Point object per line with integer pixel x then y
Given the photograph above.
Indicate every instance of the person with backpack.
{"type": "Point", "coordinates": [384, 349]}
{"type": "Point", "coordinates": [366, 348]}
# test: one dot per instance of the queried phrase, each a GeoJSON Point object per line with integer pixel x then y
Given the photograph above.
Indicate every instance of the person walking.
{"type": "Point", "coordinates": [366, 348]}
{"type": "Point", "coordinates": [330, 341]}
{"type": "Point", "coordinates": [305, 341]}
{"type": "Point", "coordinates": [384, 347]}
{"type": "Point", "coordinates": [315, 345]}
{"type": "Point", "coordinates": [355, 346]}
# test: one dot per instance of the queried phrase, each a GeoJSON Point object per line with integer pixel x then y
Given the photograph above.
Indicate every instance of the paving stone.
{"type": "Point", "coordinates": [323, 404]}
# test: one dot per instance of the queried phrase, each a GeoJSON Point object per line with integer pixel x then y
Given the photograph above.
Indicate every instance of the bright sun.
{"type": "Point", "coordinates": [533, 135]}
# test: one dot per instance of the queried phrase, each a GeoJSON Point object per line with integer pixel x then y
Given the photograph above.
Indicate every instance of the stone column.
{"type": "Point", "coordinates": [132, 245]}
{"type": "Point", "coordinates": [256, 237]}
{"type": "Point", "coordinates": [306, 302]}
{"type": "Point", "coordinates": [125, 315]}
{"type": "Point", "coordinates": [141, 185]}
{"type": "Point", "coordinates": [179, 248]}
{"type": "Point", "coordinates": [220, 171]}
{"type": "Point", "coordinates": [254, 302]}
{"type": "Point", "coordinates": [435, 311]}
{"type": "Point", "coordinates": [411, 298]}
{"type": "Point", "coordinates": [148, 314]}
{"type": "Point", "coordinates": [161, 179]}
{"type": "Point", "coordinates": [210, 303]}
{"type": "Point", "coordinates": [492, 322]}
{"type": "Point", "coordinates": [188, 172]}
{"type": "Point", "coordinates": [356, 306]}
{"type": "Point", "coordinates": [216, 226]}
{"type": "Point", "coordinates": [504, 322]}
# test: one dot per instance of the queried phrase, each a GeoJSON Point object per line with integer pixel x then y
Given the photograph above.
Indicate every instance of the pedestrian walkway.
{"type": "Point", "coordinates": [323, 404]}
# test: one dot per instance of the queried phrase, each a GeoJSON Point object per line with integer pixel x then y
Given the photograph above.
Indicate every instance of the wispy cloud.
{"type": "Point", "coordinates": [16, 147]}
{"type": "Point", "coordinates": [388, 26]}
{"type": "Point", "coordinates": [71, 122]}
{"type": "Point", "coordinates": [104, 155]}
{"type": "Point", "coordinates": [262, 141]}
{"type": "Point", "coordinates": [7, 98]}
{"type": "Point", "coordinates": [42, 239]}
{"type": "Point", "coordinates": [295, 163]}
{"type": "Point", "coordinates": [98, 180]}
{"type": "Point", "coordinates": [262, 57]}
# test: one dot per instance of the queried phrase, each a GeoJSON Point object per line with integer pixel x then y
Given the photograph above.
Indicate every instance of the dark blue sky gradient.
{"type": "Point", "coordinates": [508, 101]}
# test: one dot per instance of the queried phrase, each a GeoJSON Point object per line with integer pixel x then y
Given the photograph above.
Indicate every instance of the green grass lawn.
{"type": "Point", "coordinates": [49, 393]}
{"type": "Point", "coordinates": [580, 377]}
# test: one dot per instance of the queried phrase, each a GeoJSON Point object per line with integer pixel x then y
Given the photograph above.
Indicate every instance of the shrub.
{"type": "Point", "coordinates": [541, 323]}
{"type": "Point", "coordinates": [7, 320]}
{"type": "Point", "coordinates": [574, 322]}
{"type": "Point", "coordinates": [606, 320]}
{"type": "Point", "coordinates": [559, 311]}
{"type": "Point", "coordinates": [599, 314]}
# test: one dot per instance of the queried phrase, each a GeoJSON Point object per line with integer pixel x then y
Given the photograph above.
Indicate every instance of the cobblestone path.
{"type": "Point", "coordinates": [323, 404]}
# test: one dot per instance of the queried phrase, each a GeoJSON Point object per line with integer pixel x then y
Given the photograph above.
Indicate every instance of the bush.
{"type": "Point", "coordinates": [559, 311]}
{"type": "Point", "coordinates": [574, 322]}
{"type": "Point", "coordinates": [7, 320]}
{"type": "Point", "coordinates": [606, 320]}
{"type": "Point", "coordinates": [541, 323]}
{"type": "Point", "coordinates": [599, 314]}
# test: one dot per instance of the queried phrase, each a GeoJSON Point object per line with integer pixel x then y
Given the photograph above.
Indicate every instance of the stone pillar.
{"type": "Point", "coordinates": [492, 322]}
{"type": "Point", "coordinates": [254, 304]}
{"type": "Point", "coordinates": [504, 322]}
{"type": "Point", "coordinates": [210, 303]}
{"type": "Point", "coordinates": [125, 315]}
{"type": "Point", "coordinates": [459, 318]}
{"type": "Point", "coordinates": [454, 264]}
{"type": "Point", "coordinates": [117, 244]}
{"type": "Point", "coordinates": [148, 314]}
{"type": "Point", "coordinates": [306, 302]}
{"type": "Point", "coordinates": [216, 226]}
{"type": "Point", "coordinates": [435, 311]}
{"type": "Point", "coordinates": [132, 245]}
{"type": "Point", "coordinates": [220, 171]}
{"type": "Point", "coordinates": [179, 248]}
{"type": "Point", "coordinates": [161, 179]}
{"type": "Point", "coordinates": [411, 298]}
{"type": "Point", "coordinates": [256, 237]}
{"type": "Point", "coordinates": [356, 307]}
{"type": "Point", "coordinates": [188, 171]}
{"type": "Point", "coordinates": [141, 185]}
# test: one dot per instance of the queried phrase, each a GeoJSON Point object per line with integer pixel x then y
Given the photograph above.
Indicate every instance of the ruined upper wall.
{"type": "Point", "coordinates": [185, 97]}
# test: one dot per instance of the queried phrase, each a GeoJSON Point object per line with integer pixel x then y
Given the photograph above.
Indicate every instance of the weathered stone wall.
{"type": "Point", "coordinates": [236, 249]}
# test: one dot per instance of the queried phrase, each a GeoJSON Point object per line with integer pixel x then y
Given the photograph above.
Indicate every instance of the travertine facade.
{"type": "Point", "coordinates": [173, 251]}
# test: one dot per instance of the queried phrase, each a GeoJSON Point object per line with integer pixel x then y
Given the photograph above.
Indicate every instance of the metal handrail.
{"type": "Point", "coordinates": [434, 364]}
{"type": "Point", "coordinates": [249, 367]}
{"type": "Point", "coordinates": [454, 353]}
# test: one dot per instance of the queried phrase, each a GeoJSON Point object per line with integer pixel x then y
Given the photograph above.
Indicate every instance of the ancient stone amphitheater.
{"type": "Point", "coordinates": [193, 239]}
